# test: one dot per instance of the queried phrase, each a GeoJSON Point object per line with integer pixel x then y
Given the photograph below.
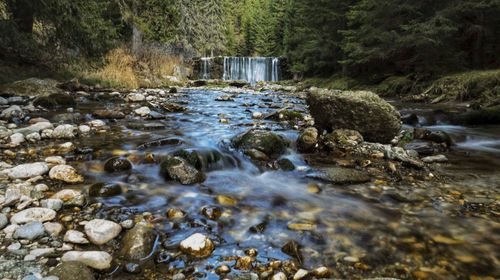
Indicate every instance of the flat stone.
{"type": "Point", "coordinates": [29, 170]}
{"type": "Point", "coordinates": [30, 231]}
{"type": "Point", "coordinates": [96, 259]}
{"type": "Point", "coordinates": [101, 231]}
{"type": "Point", "coordinates": [70, 197]}
{"type": "Point", "coordinates": [76, 237]}
{"type": "Point", "coordinates": [33, 214]}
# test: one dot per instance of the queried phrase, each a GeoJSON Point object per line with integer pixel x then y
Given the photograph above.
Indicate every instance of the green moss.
{"type": "Point", "coordinates": [395, 86]}
{"type": "Point", "coordinates": [292, 115]}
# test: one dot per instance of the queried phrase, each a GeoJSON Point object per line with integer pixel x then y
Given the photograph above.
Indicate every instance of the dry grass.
{"type": "Point", "coordinates": [149, 69]}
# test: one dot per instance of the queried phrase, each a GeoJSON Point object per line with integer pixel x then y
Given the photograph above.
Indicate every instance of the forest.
{"type": "Point", "coordinates": [369, 38]}
{"type": "Point", "coordinates": [249, 139]}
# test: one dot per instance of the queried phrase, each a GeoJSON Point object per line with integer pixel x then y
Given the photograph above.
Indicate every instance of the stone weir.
{"type": "Point", "coordinates": [250, 69]}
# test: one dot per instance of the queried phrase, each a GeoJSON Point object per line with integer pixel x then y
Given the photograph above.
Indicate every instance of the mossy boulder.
{"type": "Point", "coordinates": [267, 142]}
{"type": "Point", "coordinates": [72, 271]}
{"type": "Point", "coordinates": [179, 169]}
{"type": "Point", "coordinates": [363, 111]}
{"type": "Point", "coordinates": [308, 140]}
{"type": "Point", "coordinates": [32, 87]}
{"type": "Point", "coordinates": [55, 100]}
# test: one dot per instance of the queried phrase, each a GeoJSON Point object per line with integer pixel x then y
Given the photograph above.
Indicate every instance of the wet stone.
{"type": "Point", "coordinates": [197, 245]}
{"type": "Point", "coordinates": [339, 175]}
{"type": "Point", "coordinates": [117, 164]}
{"type": "Point", "coordinates": [133, 268]}
{"type": "Point", "coordinates": [178, 169]}
{"type": "Point", "coordinates": [105, 190]}
{"type": "Point", "coordinates": [72, 271]}
{"type": "Point", "coordinates": [211, 212]}
{"type": "Point", "coordinates": [138, 242]}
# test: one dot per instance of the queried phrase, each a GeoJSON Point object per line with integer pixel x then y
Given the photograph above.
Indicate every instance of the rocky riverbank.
{"type": "Point", "coordinates": [224, 182]}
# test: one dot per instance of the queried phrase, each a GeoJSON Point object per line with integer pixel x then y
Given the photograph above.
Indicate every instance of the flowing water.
{"type": "Point", "coordinates": [358, 230]}
{"type": "Point", "coordinates": [251, 69]}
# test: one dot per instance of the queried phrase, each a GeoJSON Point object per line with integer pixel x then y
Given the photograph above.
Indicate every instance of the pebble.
{"type": "Point", "coordinates": [197, 245]}
{"type": "Point", "coordinates": [76, 237]}
{"type": "Point", "coordinates": [84, 129]}
{"type": "Point", "coordinates": [54, 204]}
{"type": "Point", "coordinates": [30, 231]}
{"type": "Point", "coordinates": [127, 224]}
{"type": "Point", "coordinates": [54, 229]}
{"type": "Point", "coordinates": [300, 274]}
{"type": "Point", "coordinates": [14, 247]}
{"type": "Point", "coordinates": [64, 131]}
{"type": "Point", "coordinates": [143, 111]}
{"type": "Point", "coordinates": [279, 276]}
{"type": "Point", "coordinates": [136, 97]}
{"type": "Point", "coordinates": [96, 259]}
{"type": "Point", "coordinates": [101, 231]}
{"type": "Point", "coordinates": [29, 170]}
{"type": "Point", "coordinates": [3, 221]}
{"type": "Point", "coordinates": [33, 214]}
{"type": "Point", "coordinates": [65, 173]}
{"type": "Point", "coordinates": [55, 160]}
{"type": "Point", "coordinates": [70, 197]}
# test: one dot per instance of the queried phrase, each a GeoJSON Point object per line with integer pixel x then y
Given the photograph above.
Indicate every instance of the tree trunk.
{"type": "Point", "coordinates": [136, 33]}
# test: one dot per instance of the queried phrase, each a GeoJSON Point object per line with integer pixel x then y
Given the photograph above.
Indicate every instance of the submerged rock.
{"type": "Point", "coordinates": [340, 175]}
{"type": "Point", "coordinates": [72, 271]}
{"type": "Point", "coordinates": [138, 242]}
{"type": "Point", "coordinates": [105, 190]}
{"type": "Point", "coordinates": [197, 245]}
{"type": "Point", "coordinates": [308, 140]}
{"type": "Point", "coordinates": [95, 259]}
{"type": "Point", "coordinates": [117, 164]}
{"type": "Point", "coordinates": [363, 111]}
{"type": "Point", "coordinates": [267, 142]}
{"type": "Point", "coordinates": [179, 169]}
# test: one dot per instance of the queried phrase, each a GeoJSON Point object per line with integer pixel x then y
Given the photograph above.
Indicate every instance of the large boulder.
{"type": "Point", "coordinates": [363, 111]}
{"type": "Point", "coordinates": [269, 143]}
{"type": "Point", "coordinates": [32, 87]}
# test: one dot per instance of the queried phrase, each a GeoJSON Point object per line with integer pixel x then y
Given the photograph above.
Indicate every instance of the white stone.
{"type": "Point", "coordinates": [279, 276]}
{"type": "Point", "coordinates": [54, 229]}
{"type": "Point", "coordinates": [197, 245]}
{"type": "Point", "coordinates": [135, 97]}
{"type": "Point", "coordinates": [74, 236]}
{"type": "Point", "coordinates": [84, 129]}
{"type": "Point", "coordinates": [300, 274]}
{"type": "Point", "coordinates": [143, 111]}
{"type": "Point", "coordinates": [97, 123]}
{"type": "Point", "coordinates": [96, 259]}
{"type": "Point", "coordinates": [101, 231]}
{"type": "Point", "coordinates": [25, 171]}
{"type": "Point", "coordinates": [64, 131]}
{"type": "Point", "coordinates": [257, 115]}
{"type": "Point", "coordinates": [33, 137]}
{"type": "Point", "coordinates": [17, 139]}
{"type": "Point", "coordinates": [47, 133]}
{"type": "Point", "coordinates": [55, 160]}
{"type": "Point", "coordinates": [33, 214]}
{"type": "Point", "coordinates": [65, 173]}
{"type": "Point", "coordinates": [54, 204]}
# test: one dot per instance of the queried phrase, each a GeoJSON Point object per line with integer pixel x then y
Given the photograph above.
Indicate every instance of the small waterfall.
{"type": "Point", "coordinates": [251, 69]}
{"type": "Point", "coordinates": [206, 64]}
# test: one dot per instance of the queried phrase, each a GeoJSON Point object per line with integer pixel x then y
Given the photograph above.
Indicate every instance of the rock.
{"type": "Point", "coordinates": [308, 140]}
{"type": "Point", "coordinates": [3, 101]}
{"type": "Point", "coordinates": [96, 259]}
{"type": "Point", "coordinates": [363, 111]}
{"type": "Point", "coordinates": [178, 169]}
{"type": "Point", "coordinates": [341, 176]}
{"type": "Point", "coordinates": [136, 97]}
{"type": "Point", "coordinates": [101, 231]}
{"type": "Point", "coordinates": [55, 160]}
{"type": "Point", "coordinates": [29, 170]}
{"type": "Point", "coordinates": [105, 190]}
{"type": "Point", "coordinates": [70, 197]}
{"type": "Point", "coordinates": [117, 164]}
{"type": "Point", "coordinates": [484, 116]}
{"type": "Point", "coordinates": [172, 107]}
{"type": "Point", "coordinates": [437, 158]}
{"type": "Point", "coordinates": [54, 204]}
{"type": "Point", "coordinates": [30, 231]}
{"type": "Point", "coordinates": [300, 274]}
{"type": "Point", "coordinates": [256, 155]}
{"type": "Point", "coordinates": [54, 229]}
{"type": "Point", "coordinates": [342, 139]}
{"type": "Point", "coordinates": [31, 87]}
{"type": "Point", "coordinates": [55, 100]}
{"type": "Point", "coordinates": [64, 131]}
{"type": "Point", "coordinates": [33, 214]}
{"type": "Point", "coordinates": [224, 98]}
{"type": "Point", "coordinates": [143, 111]}
{"type": "Point", "coordinates": [133, 268]}
{"type": "Point", "coordinates": [84, 129]}
{"type": "Point", "coordinates": [76, 237]}
{"type": "Point", "coordinates": [33, 137]}
{"type": "Point", "coordinates": [17, 139]}
{"type": "Point", "coordinates": [285, 164]}
{"type": "Point", "coordinates": [211, 212]}
{"type": "Point", "coordinates": [267, 142]}
{"type": "Point", "coordinates": [279, 276]}
{"type": "Point", "coordinates": [72, 271]}
{"type": "Point", "coordinates": [65, 173]}
{"type": "Point", "coordinates": [422, 148]}
{"type": "Point", "coordinates": [257, 115]}
{"type": "Point", "coordinates": [321, 272]}
{"type": "Point", "coordinates": [108, 114]}
{"type": "Point", "coordinates": [138, 242]}
{"type": "Point", "coordinates": [410, 119]}
{"type": "Point", "coordinates": [3, 221]}
{"type": "Point", "coordinates": [197, 245]}
{"type": "Point", "coordinates": [13, 111]}
{"type": "Point", "coordinates": [292, 248]}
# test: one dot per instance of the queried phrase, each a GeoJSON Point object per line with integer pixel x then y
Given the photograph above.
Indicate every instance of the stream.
{"type": "Point", "coordinates": [448, 230]}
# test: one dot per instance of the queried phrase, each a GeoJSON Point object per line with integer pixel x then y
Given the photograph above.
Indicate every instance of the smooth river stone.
{"type": "Point", "coordinates": [101, 231]}
{"type": "Point", "coordinates": [33, 214]}
{"type": "Point", "coordinates": [96, 259]}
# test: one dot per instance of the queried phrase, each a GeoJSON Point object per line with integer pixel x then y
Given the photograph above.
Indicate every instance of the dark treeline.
{"type": "Point", "coordinates": [369, 38]}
